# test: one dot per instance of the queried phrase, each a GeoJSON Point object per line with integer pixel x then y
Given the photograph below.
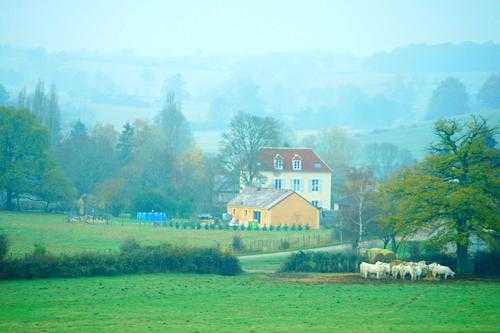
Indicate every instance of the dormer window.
{"type": "Point", "coordinates": [296, 163]}
{"type": "Point", "coordinates": [278, 162]}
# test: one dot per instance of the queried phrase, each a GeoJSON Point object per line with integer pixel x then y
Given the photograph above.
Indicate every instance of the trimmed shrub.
{"type": "Point", "coordinates": [132, 258]}
{"type": "Point", "coordinates": [284, 244]}
{"type": "Point", "coordinates": [323, 262]}
{"type": "Point", "coordinates": [4, 246]}
{"type": "Point", "coordinates": [271, 227]}
{"type": "Point", "coordinates": [237, 243]}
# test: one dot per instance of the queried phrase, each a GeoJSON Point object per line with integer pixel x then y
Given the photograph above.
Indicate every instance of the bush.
{"type": "Point", "coordinates": [294, 227]}
{"type": "Point", "coordinates": [307, 227]}
{"type": "Point", "coordinates": [237, 243]}
{"type": "Point", "coordinates": [487, 263]}
{"type": "Point", "coordinates": [323, 262]}
{"type": "Point", "coordinates": [264, 228]}
{"type": "Point", "coordinates": [285, 227]}
{"type": "Point", "coordinates": [132, 258]}
{"type": "Point", "coordinates": [271, 227]}
{"type": "Point", "coordinates": [284, 244]}
{"type": "Point", "coordinates": [376, 254]}
{"type": "Point", "coordinates": [4, 247]}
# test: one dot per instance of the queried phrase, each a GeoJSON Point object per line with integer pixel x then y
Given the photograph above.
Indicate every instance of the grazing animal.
{"type": "Point", "coordinates": [366, 269]}
{"type": "Point", "coordinates": [443, 271]}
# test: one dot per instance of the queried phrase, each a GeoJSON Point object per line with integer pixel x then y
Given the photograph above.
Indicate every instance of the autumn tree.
{"type": "Point", "coordinates": [453, 195]}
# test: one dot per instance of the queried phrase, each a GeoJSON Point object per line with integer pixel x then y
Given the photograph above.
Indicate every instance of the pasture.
{"type": "Point", "coordinates": [248, 303]}
{"type": "Point", "coordinates": [26, 229]}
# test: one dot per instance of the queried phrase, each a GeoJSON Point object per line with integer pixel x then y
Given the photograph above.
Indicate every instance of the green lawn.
{"type": "Point", "coordinates": [247, 303]}
{"type": "Point", "coordinates": [26, 229]}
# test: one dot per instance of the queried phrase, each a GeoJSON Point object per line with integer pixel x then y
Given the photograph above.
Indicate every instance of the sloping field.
{"type": "Point", "coordinates": [247, 303]}
{"type": "Point", "coordinates": [26, 229]}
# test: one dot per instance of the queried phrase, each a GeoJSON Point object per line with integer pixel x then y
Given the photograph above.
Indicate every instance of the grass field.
{"type": "Point", "coordinates": [247, 303]}
{"type": "Point", "coordinates": [26, 229]}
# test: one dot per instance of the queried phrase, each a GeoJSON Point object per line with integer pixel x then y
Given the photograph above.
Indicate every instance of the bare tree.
{"type": "Point", "coordinates": [358, 205]}
{"type": "Point", "coordinates": [241, 144]}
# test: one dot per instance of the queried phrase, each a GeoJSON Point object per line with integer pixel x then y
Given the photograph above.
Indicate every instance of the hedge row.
{"type": "Point", "coordinates": [131, 259]}
{"type": "Point", "coordinates": [324, 262]}
{"type": "Point", "coordinates": [483, 263]}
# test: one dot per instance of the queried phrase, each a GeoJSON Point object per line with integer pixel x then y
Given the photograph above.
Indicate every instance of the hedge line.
{"type": "Point", "coordinates": [485, 263]}
{"type": "Point", "coordinates": [131, 259]}
{"type": "Point", "coordinates": [324, 262]}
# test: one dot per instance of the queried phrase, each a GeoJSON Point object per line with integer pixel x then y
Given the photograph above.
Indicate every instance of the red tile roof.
{"type": "Point", "coordinates": [310, 161]}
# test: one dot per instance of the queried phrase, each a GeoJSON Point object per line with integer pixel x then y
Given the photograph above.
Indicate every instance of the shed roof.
{"type": "Point", "coordinates": [259, 197]}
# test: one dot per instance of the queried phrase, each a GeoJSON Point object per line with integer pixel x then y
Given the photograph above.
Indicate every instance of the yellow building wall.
{"type": "Point", "coordinates": [245, 214]}
{"type": "Point", "coordinates": [295, 210]}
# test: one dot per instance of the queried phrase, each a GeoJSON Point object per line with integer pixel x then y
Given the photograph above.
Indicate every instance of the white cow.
{"type": "Point", "coordinates": [365, 269]}
{"type": "Point", "coordinates": [386, 268]}
{"type": "Point", "coordinates": [444, 271]}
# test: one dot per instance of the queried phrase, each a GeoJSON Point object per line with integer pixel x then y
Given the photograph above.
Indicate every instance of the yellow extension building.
{"type": "Point", "coordinates": [273, 207]}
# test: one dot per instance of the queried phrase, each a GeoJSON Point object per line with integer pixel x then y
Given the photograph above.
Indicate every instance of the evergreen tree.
{"type": "Point", "coordinates": [53, 117]}
{"type": "Point", "coordinates": [174, 127]}
{"type": "Point", "coordinates": [22, 99]}
{"type": "Point", "coordinates": [38, 102]}
{"type": "Point", "coordinates": [126, 143]}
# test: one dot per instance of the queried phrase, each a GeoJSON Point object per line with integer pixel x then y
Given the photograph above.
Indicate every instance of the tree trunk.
{"type": "Point", "coordinates": [8, 203]}
{"type": "Point", "coordinates": [462, 248]}
{"type": "Point", "coordinates": [463, 266]}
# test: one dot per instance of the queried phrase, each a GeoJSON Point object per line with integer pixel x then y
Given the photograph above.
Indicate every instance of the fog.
{"type": "Point", "coordinates": [158, 28]}
{"type": "Point", "coordinates": [360, 65]}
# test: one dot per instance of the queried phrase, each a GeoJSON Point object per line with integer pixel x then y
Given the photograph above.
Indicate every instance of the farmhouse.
{"type": "Point", "coordinates": [273, 207]}
{"type": "Point", "coordinates": [298, 169]}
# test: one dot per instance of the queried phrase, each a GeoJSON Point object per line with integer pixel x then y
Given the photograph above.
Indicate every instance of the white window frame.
{"type": "Point", "coordinates": [297, 184]}
{"type": "Point", "coordinates": [277, 181]}
{"type": "Point", "coordinates": [315, 203]}
{"type": "Point", "coordinates": [315, 185]}
{"type": "Point", "coordinates": [296, 163]}
{"type": "Point", "coordinates": [278, 162]}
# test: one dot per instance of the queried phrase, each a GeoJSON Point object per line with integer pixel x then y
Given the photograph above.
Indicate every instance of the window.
{"type": "Point", "coordinates": [315, 203]}
{"type": "Point", "coordinates": [296, 185]}
{"type": "Point", "coordinates": [296, 163]}
{"type": "Point", "coordinates": [278, 162]}
{"type": "Point", "coordinates": [315, 185]}
{"type": "Point", "coordinates": [277, 184]}
{"type": "Point", "coordinates": [256, 216]}
{"type": "Point", "coordinates": [317, 165]}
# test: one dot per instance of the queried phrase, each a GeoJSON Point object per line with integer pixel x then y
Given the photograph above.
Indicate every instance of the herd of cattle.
{"type": "Point", "coordinates": [400, 270]}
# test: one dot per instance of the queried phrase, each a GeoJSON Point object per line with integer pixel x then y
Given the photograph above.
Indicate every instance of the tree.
{"type": "Point", "coordinates": [53, 186]}
{"type": "Point", "coordinates": [22, 99]}
{"type": "Point", "coordinates": [454, 193]}
{"type": "Point", "coordinates": [489, 94]}
{"type": "Point", "coordinates": [385, 159]}
{"type": "Point", "coordinates": [339, 150]}
{"type": "Point", "coordinates": [126, 143]}
{"type": "Point", "coordinates": [39, 102]}
{"type": "Point", "coordinates": [53, 117]}
{"type": "Point", "coordinates": [88, 159]}
{"type": "Point", "coordinates": [4, 96]}
{"type": "Point", "coordinates": [449, 99]}
{"type": "Point", "coordinates": [357, 211]}
{"type": "Point", "coordinates": [246, 135]}
{"type": "Point", "coordinates": [174, 127]}
{"type": "Point", "coordinates": [24, 156]}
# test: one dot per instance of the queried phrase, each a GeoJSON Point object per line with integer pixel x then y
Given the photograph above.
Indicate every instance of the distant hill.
{"type": "Point", "coordinates": [464, 57]}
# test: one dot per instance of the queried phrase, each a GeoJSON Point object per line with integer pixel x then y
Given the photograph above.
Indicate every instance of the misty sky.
{"type": "Point", "coordinates": [240, 27]}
